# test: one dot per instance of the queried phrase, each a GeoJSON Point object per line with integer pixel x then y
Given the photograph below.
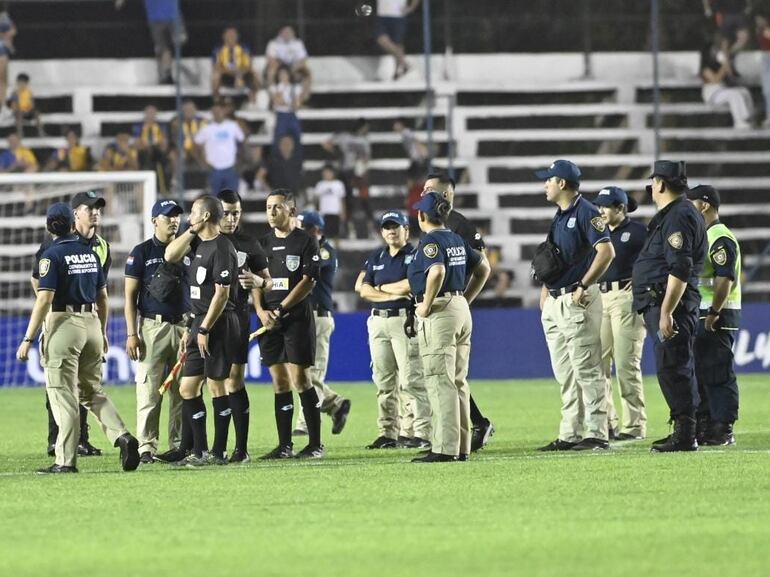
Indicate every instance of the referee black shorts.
{"type": "Point", "coordinates": [293, 341]}
{"type": "Point", "coordinates": [241, 352]}
{"type": "Point", "coordinates": [221, 357]}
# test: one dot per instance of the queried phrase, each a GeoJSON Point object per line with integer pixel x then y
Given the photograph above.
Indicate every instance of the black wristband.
{"type": "Point", "coordinates": [279, 309]}
{"type": "Point", "coordinates": [581, 285]}
{"type": "Point", "coordinates": [712, 312]}
{"type": "Point", "coordinates": [203, 331]}
{"type": "Point", "coordinates": [28, 340]}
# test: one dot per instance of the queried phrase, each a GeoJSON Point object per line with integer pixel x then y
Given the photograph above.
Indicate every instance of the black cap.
{"type": "Point", "coordinates": [706, 193]}
{"type": "Point", "coordinates": [90, 199]}
{"type": "Point", "coordinates": [670, 170]}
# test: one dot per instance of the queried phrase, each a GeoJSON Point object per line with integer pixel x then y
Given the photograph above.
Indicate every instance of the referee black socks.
{"type": "Point", "coordinates": [186, 442]}
{"type": "Point", "coordinates": [284, 416]}
{"type": "Point", "coordinates": [198, 421]}
{"type": "Point", "coordinates": [311, 409]}
{"type": "Point", "coordinates": [222, 413]}
{"type": "Point", "coordinates": [239, 403]}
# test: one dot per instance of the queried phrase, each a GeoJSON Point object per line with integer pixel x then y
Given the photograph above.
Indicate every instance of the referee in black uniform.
{"type": "Point", "coordinates": [212, 270]}
{"type": "Point", "coordinates": [288, 346]}
{"type": "Point", "coordinates": [483, 428]}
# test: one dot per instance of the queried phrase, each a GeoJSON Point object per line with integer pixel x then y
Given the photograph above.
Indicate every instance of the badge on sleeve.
{"type": "Point", "coordinates": [676, 240]}
{"type": "Point", "coordinates": [598, 223]}
{"type": "Point", "coordinates": [719, 257]}
{"type": "Point", "coordinates": [325, 254]}
{"type": "Point", "coordinates": [430, 250]}
{"type": "Point", "coordinates": [44, 266]}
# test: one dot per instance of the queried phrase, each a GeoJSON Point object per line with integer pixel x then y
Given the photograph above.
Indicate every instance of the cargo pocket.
{"type": "Point", "coordinates": [141, 374]}
{"type": "Point", "coordinates": [53, 373]}
{"type": "Point", "coordinates": [436, 364]}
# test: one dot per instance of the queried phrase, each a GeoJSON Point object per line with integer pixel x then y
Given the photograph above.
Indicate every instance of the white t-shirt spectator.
{"type": "Point", "coordinates": [391, 8]}
{"type": "Point", "coordinates": [290, 95]}
{"type": "Point", "coordinates": [330, 194]}
{"type": "Point", "coordinates": [220, 141]}
{"type": "Point", "coordinates": [355, 149]}
{"type": "Point", "coordinates": [287, 52]}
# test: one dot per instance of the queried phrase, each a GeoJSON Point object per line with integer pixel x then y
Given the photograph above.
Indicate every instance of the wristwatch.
{"type": "Point", "coordinates": [712, 312]}
{"type": "Point", "coordinates": [581, 285]}
{"type": "Point", "coordinates": [203, 331]}
{"type": "Point", "coordinates": [279, 309]}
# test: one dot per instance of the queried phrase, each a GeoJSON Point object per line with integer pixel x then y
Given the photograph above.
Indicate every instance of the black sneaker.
{"type": "Point", "coordinates": [171, 456]}
{"type": "Point", "coordinates": [52, 450]}
{"type": "Point", "coordinates": [218, 459]}
{"type": "Point", "coordinates": [481, 435]}
{"type": "Point", "coordinates": [86, 449]}
{"type": "Point", "coordinates": [382, 443]}
{"type": "Point", "coordinates": [629, 437]}
{"type": "Point", "coordinates": [193, 461]}
{"type": "Point", "coordinates": [703, 427]}
{"type": "Point", "coordinates": [434, 458]}
{"type": "Point", "coordinates": [720, 434]}
{"type": "Point", "coordinates": [662, 441]}
{"type": "Point", "coordinates": [404, 442]}
{"type": "Point", "coordinates": [340, 417]}
{"type": "Point", "coordinates": [129, 451]}
{"type": "Point", "coordinates": [280, 452]}
{"type": "Point", "coordinates": [146, 458]}
{"type": "Point", "coordinates": [463, 457]}
{"type": "Point", "coordinates": [240, 456]}
{"type": "Point", "coordinates": [299, 433]}
{"type": "Point", "coordinates": [591, 444]}
{"type": "Point", "coordinates": [612, 434]}
{"type": "Point", "coordinates": [311, 452]}
{"type": "Point", "coordinates": [557, 445]}
{"type": "Point", "coordinates": [56, 469]}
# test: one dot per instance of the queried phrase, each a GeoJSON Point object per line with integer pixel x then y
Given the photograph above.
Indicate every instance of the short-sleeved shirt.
{"type": "Point", "coordinates": [220, 141]}
{"type": "Point", "coordinates": [459, 224]}
{"type": "Point", "coordinates": [627, 240]}
{"type": "Point", "coordinates": [676, 244]}
{"type": "Point", "coordinates": [212, 262]}
{"type": "Point", "coordinates": [141, 264]}
{"type": "Point", "coordinates": [724, 265]}
{"type": "Point", "coordinates": [289, 93]}
{"type": "Point", "coordinates": [97, 243]}
{"type": "Point", "coordinates": [287, 52]}
{"type": "Point", "coordinates": [391, 8]}
{"type": "Point", "coordinates": [250, 257]}
{"type": "Point", "coordinates": [330, 194]}
{"type": "Point", "coordinates": [71, 269]}
{"type": "Point", "coordinates": [150, 133]}
{"type": "Point", "coordinates": [236, 58]}
{"type": "Point", "coordinates": [382, 268]}
{"type": "Point", "coordinates": [289, 259]}
{"type": "Point", "coordinates": [162, 10]}
{"type": "Point", "coordinates": [327, 270]}
{"type": "Point", "coordinates": [442, 246]}
{"type": "Point", "coordinates": [22, 155]}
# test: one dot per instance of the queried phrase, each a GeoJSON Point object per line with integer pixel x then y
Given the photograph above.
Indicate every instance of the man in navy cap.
{"type": "Point", "coordinates": [665, 286]}
{"type": "Point", "coordinates": [572, 310]}
{"type": "Point", "coordinates": [622, 329]}
{"type": "Point", "coordinates": [719, 319]}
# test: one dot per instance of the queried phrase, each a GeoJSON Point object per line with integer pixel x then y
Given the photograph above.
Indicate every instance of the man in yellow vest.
{"type": "Point", "coordinates": [720, 312]}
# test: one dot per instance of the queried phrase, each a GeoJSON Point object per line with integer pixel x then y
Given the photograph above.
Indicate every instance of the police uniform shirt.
{"type": "Point", "coordinates": [97, 243]}
{"type": "Point", "coordinates": [210, 262]}
{"type": "Point", "coordinates": [141, 264]}
{"type": "Point", "coordinates": [289, 259]}
{"type": "Point", "coordinates": [71, 269]}
{"type": "Point", "coordinates": [381, 268]}
{"type": "Point", "coordinates": [321, 296]}
{"type": "Point", "coordinates": [627, 240]}
{"type": "Point", "coordinates": [576, 231]}
{"type": "Point", "coordinates": [458, 224]}
{"type": "Point", "coordinates": [676, 245]}
{"type": "Point", "coordinates": [442, 246]}
{"type": "Point", "coordinates": [250, 257]}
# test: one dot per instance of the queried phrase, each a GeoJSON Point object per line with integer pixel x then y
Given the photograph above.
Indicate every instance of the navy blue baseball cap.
{"type": "Point", "coordinates": [60, 210]}
{"type": "Point", "coordinates": [310, 218]}
{"type": "Point", "coordinates": [394, 216]}
{"type": "Point", "coordinates": [561, 169]}
{"type": "Point", "coordinates": [669, 170]}
{"type": "Point", "coordinates": [706, 193]}
{"type": "Point", "coordinates": [613, 196]}
{"type": "Point", "coordinates": [166, 207]}
{"type": "Point", "coordinates": [428, 203]}
{"type": "Point", "coordinates": [91, 199]}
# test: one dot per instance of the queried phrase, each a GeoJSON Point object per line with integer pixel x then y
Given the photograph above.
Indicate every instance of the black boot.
{"type": "Point", "coordinates": [720, 434]}
{"type": "Point", "coordinates": [682, 439]}
{"type": "Point", "coordinates": [702, 427]}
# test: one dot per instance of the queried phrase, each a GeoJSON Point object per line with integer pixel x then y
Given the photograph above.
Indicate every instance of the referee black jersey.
{"type": "Point", "coordinates": [211, 262]}
{"type": "Point", "coordinates": [289, 259]}
{"type": "Point", "coordinates": [250, 257]}
{"type": "Point", "coordinates": [460, 225]}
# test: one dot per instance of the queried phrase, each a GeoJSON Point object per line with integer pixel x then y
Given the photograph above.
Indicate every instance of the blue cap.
{"type": "Point", "coordinates": [166, 207]}
{"type": "Point", "coordinates": [60, 210]}
{"type": "Point", "coordinates": [394, 216]}
{"type": "Point", "coordinates": [561, 169]}
{"type": "Point", "coordinates": [310, 218]}
{"type": "Point", "coordinates": [428, 203]}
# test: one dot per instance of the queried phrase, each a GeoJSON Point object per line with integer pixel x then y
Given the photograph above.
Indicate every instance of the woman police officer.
{"type": "Point", "coordinates": [437, 277]}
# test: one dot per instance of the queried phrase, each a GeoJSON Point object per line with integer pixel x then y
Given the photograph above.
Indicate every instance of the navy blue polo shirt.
{"type": "Point", "coordinates": [576, 231]}
{"type": "Point", "coordinates": [71, 268]}
{"type": "Point", "coordinates": [442, 246]}
{"type": "Point", "coordinates": [627, 240]}
{"type": "Point", "coordinates": [382, 268]}
{"type": "Point", "coordinates": [141, 264]}
{"type": "Point", "coordinates": [321, 297]}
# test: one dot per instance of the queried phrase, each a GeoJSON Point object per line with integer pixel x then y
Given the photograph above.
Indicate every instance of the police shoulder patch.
{"type": "Point", "coordinates": [598, 223]}
{"type": "Point", "coordinates": [676, 240]}
{"type": "Point", "coordinates": [430, 250]}
{"type": "Point", "coordinates": [44, 266]}
{"type": "Point", "coordinates": [325, 255]}
{"type": "Point", "coordinates": [720, 257]}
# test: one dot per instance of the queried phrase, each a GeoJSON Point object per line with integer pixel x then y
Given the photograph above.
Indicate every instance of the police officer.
{"type": "Point", "coordinates": [396, 363]}
{"type": "Point", "coordinates": [572, 310]}
{"type": "Point", "coordinates": [437, 278]}
{"type": "Point", "coordinates": [155, 303]}
{"type": "Point", "coordinates": [665, 285]}
{"type": "Point", "coordinates": [252, 274]}
{"type": "Point", "coordinates": [210, 354]}
{"type": "Point", "coordinates": [288, 346]}
{"type": "Point", "coordinates": [483, 428]}
{"type": "Point", "coordinates": [622, 333]}
{"type": "Point", "coordinates": [332, 403]}
{"type": "Point", "coordinates": [719, 319]}
{"type": "Point", "coordinates": [72, 302]}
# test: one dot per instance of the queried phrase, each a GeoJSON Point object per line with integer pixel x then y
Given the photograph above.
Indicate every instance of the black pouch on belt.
{"type": "Point", "coordinates": [409, 324]}
{"type": "Point", "coordinates": [548, 264]}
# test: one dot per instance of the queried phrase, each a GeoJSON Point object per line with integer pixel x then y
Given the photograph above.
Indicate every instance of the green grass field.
{"type": "Point", "coordinates": [509, 511]}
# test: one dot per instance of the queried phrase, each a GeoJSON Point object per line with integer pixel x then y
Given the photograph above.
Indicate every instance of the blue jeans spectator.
{"type": "Point", "coordinates": [287, 123]}
{"type": "Point", "coordinates": [224, 178]}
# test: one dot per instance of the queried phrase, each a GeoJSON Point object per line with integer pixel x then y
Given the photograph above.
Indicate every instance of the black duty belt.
{"type": "Point", "coordinates": [323, 313]}
{"type": "Point", "coordinates": [556, 293]}
{"type": "Point", "coordinates": [388, 313]}
{"type": "Point", "coordinates": [616, 285]}
{"type": "Point", "coordinates": [421, 298]}
{"type": "Point", "coordinates": [83, 308]}
{"type": "Point", "coordinates": [173, 319]}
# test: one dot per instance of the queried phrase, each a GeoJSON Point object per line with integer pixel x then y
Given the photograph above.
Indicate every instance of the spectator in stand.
{"type": "Point", "coordinates": [119, 155]}
{"type": "Point", "coordinates": [286, 98]}
{"type": "Point", "coordinates": [330, 200]}
{"type": "Point", "coordinates": [192, 122]}
{"type": "Point", "coordinates": [416, 150]}
{"type": "Point", "coordinates": [74, 157]}
{"type": "Point", "coordinates": [232, 66]}
{"type": "Point", "coordinates": [220, 140]}
{"type": "Point", "coordinates": [7, 33]}
{"type": "Point", "coordinates": [151, 142]}
{"type": "Point", "coordinates": [717, 74]}
{"type": "Point", "coordinates": [288, 50]}
{"type": "Point", "coordinates": [284, 166]}
{"type": "Point", "coordinates": [731, 19]}
{"type": "Point", "coordinates": [391, 30]}
{"type": "Point", "coordinates": [17, 158]}
{"type": "Point", "coordinates": [763, 38]}
{"type": "Point", "coordinates": [22, 104]}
